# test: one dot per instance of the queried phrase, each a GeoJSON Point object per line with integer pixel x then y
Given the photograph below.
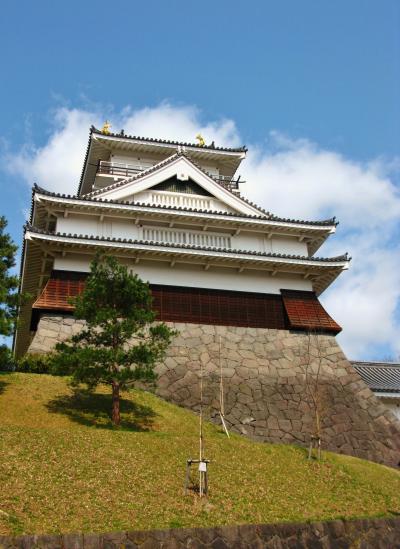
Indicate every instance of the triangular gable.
{"type": "Point", "coordinates": [173, 184]}
{"type": "Point", "coordinates": [183, 169]}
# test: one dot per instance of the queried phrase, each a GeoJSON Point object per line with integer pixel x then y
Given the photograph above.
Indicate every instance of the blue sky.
{"type": "Point", "coordinates": [311, 87]}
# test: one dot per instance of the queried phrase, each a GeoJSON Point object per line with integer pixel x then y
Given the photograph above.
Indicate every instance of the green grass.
{"type": "Point", "coordinates": [63, 468]}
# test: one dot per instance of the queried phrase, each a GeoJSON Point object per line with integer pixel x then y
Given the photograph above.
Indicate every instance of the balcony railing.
{"type": "Point", "coordinates": [229, 182]}
{"type": "Point", "coordinates": [118, 169]}
{"type": "Point", "coordinates": [127, 170]}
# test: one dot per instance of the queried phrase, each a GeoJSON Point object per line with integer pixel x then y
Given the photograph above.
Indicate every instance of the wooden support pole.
{"type": "Point", "coordinates": [221, 393]}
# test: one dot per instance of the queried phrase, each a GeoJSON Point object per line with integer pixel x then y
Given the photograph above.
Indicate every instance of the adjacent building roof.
{"type": "Point", "coordinates": [381, 377]}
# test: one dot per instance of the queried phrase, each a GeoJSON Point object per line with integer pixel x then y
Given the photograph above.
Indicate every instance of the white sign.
{"type": "Point", "coordinates": [203, 466]}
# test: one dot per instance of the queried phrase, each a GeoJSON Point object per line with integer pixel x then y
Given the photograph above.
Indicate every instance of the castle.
{"type": "Point", "coordinates": [221, 269]}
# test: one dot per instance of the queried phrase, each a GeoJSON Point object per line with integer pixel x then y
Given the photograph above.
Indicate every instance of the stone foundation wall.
{"type": "Point", "coordinates": [266, 374]}
{"type": "Point", "coordinates": [363, 534]}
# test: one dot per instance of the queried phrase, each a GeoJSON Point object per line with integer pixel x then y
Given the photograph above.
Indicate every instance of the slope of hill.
{"type": "Point", "coordinates": [64, 468]}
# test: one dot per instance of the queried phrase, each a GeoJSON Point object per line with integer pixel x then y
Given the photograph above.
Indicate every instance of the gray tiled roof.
{"type": "Point", "coordinates": [381, 377]}
{"type": "Point", "coordinates": [333, 260]}
{"type": "Point", "coordinates": [123, 135]}
{"type": "Point", "coordinates": [331, 222]}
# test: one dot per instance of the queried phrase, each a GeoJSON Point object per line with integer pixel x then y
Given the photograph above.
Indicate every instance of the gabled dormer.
{"type": "Point", "coordinates": [178, 182]}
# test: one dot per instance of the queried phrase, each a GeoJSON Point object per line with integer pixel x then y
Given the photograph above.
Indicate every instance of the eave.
{"type": "Point", "coordinates": [322, 270]}
{"type": "Point", "coordinates": [314, 232]}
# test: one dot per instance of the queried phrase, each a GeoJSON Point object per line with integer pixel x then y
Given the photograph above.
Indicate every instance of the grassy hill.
{"type": "Point", "coordinates": [64, 468]}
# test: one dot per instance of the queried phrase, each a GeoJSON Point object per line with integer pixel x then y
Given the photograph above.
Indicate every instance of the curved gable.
{"type": "Point", "coordinates": [183, 170]}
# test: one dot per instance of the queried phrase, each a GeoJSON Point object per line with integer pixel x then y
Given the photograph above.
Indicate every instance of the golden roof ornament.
{"type": "Point", "coordinates": [200, 139]}
{"type": "Point", "coordinates": [106, 128]}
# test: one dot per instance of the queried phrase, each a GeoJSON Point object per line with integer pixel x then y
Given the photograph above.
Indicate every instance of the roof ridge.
{"type": "Point", "coordinates": [375, 364]}
{"type": "Point", "coordinates": [330, 220]}
{"type": "Point", "coordinates": [34, 229]}
{"type": "Point", "coordinates": [93, 129]}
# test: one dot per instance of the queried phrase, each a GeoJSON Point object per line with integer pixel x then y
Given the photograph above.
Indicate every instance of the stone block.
{"type": "Point", "coordinates": [263, 372]}
{"type": "Point", "coordinates": [73, 541]}
{"type": "Point", "coordinates": [285, 425]}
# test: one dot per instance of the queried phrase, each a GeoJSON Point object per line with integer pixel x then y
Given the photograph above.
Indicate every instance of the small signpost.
{"type": "Point", "coordinates": [203, 475]}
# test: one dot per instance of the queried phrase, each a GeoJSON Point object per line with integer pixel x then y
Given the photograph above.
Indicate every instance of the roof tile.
{"type": "Point", "coordinates": [380, 376]}
{"type": "Point", "coordinates": [337, 259]}
{"type": "Point", "coordinates": [304, 311]}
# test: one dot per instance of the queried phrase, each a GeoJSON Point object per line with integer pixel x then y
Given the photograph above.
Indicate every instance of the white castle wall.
{"type": "Point", "coordinates": [159, 272]}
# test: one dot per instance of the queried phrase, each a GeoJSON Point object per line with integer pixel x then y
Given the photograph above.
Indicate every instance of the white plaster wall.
{"type": "Point", "coordinates": [146, 160]}
{"type": "Point", "coordinates": [288, 245]}
{"type": "Point", "coordinates": [73, 262]}
{"type": "Point", "coordinates": [195, 276]}
{"type": "Point", "coordinates": [248, 241]}
{"type": "Point", "coordinates": [149, 160]}
{"type": "Point", "coordinates": [213, 170]}
{"type": "Point", "coordinates": [125, 229]}
{"type": "Point", "coordinates": [219, 278]}
{"type": "Point", "coordinates": [92, 226]}
{"type": "Point", "coordinates": [261, 243]}
{"type": "Point", "coordinates": [78, 225]}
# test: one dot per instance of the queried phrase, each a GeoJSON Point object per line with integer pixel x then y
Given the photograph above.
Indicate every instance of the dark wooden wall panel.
{"type": "Point", "coordinates": [296, 310]}
{"type": "Point", "coordinates": [224, 307]}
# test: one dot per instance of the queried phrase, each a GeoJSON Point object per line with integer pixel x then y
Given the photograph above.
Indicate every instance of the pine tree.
{"type": "Point", "coordinates": [120, 342]}
{"type": "Point", "coordinates": [8, 282]}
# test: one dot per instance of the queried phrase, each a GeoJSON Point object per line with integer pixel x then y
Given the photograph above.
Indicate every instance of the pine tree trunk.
{"type": "Point", "coordinates": [116, 417]}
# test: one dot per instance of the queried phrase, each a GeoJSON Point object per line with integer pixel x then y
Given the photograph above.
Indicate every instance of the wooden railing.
{"type": "Point", "coordinates": [118, 169]}
{"type": "Point", "coordinates": [127, 170]}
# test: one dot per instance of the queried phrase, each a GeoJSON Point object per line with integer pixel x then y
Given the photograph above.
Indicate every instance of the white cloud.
{"type": "Point", "coordinates": [292, 178]}
{"type": "Point", "coordinates": [55, 169]}
{"type": "Point", "coordinates": [297, 179]}
{"type": "Point", "coordinates": [57, 165]}
{"type": "Point", "coordinates": [178, 124]}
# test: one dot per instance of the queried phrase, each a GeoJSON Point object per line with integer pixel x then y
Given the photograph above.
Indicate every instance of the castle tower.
{"type": "Point", "coordinates": [218, 267]}
{"type": "Point", "coordinates": [173, 213]}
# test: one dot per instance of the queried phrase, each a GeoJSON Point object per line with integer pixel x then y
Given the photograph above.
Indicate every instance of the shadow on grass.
{"type": "Point", "coordinates": [94, 410]}
{"type": "Point", "coordinates": [3, 382]}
